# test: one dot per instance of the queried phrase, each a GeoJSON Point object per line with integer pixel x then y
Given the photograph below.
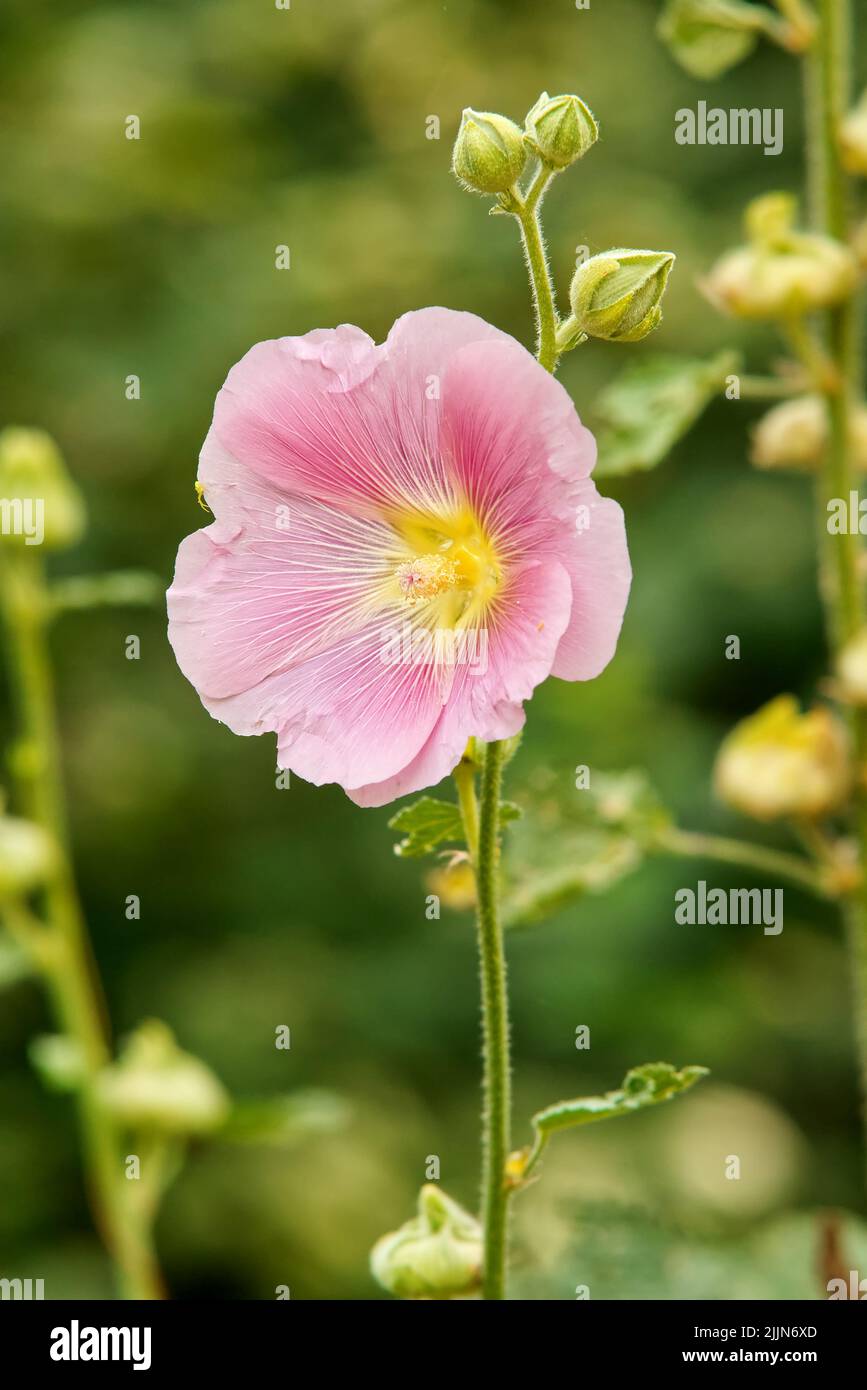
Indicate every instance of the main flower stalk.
{"type": "Point", "coordinates": [495, 1024]}
{"type": "Point", "coordinates": [482, 832]}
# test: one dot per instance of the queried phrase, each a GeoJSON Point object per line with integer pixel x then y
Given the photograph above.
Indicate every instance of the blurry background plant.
{"type": "Point", "coordinates": [113, 254]}
{"type": "Point", "coordinates": [136, 1113]}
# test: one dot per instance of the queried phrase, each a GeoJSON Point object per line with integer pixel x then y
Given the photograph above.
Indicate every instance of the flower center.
{"type": "Point", "coordinates": [426, 576]}
{"type": "Point", "coordinates": [454, 569]}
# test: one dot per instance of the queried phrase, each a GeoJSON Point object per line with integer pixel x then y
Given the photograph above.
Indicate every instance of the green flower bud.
{"type": "Point", "coordinates": [794, 435]}
{"type": "Point", "coordinates": [39, 503]}
{"type": "Point", "coordinates": [616, 295]}
{"type": "Point", "coordinates": [782, 764]}
{"type": "Point", "coordinates": [436, 1255]}
{"type": "Point", "coordinates": [783, 273]}
{"type": "Point", "coordinates": [489, 153]}
{"type": "Point", "coordinates": [853, 139]}
{"type": "Point", "coordinates": [155, 1085]}
{"type": "Point", "coordinates": [560, 129]}
{"type": "Point", "coordinates": [28, 856]}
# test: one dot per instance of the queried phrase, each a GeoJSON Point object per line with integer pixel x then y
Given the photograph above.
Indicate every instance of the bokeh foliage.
{"type": "Point", "coordinates": [263, 907]}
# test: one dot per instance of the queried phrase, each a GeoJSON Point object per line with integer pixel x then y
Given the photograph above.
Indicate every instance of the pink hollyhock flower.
{"type": "Point", "coordinates": [406, 542]}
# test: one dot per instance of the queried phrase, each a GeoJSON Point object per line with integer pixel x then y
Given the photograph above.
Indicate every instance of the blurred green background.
{"type": "Point", "coordinates": [261, 907]}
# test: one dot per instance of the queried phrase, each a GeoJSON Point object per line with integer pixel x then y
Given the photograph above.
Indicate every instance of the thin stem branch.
{"type": "Point", "coordinates": [770, 388]}
{"type": "Point", "coordinates": [693, 844]}
{"type": "Point", "coordinates": [527, 214]}
{"type": "Point", "coordinates": [465, 781]}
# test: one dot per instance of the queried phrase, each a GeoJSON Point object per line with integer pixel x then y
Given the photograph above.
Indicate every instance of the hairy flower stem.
{"type": "Point", "coordinates": [63, 953]}
{"type": "Point", "coordinates": [527, 213]}
{"type": "Point", "coordinates": [828, 92]}
{"type": "Point", "coordinates": [495, 1025]}
{"type": "Point", "coordinates": [482, 832]}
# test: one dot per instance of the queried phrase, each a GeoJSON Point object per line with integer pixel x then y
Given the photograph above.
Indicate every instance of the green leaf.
{"type": "Point", "coordinates": [600, 863]}
{"type": "Point", "coordinates": [58, 1061]}
{"type": "Point", "coordinates": [283, 1120]}
{"type": "Point", "coordinates": [707, 37]}
{"type": "Point", "coordinates": [651, 405]}
{"type": "Point", "coordinates": [428, 823]}
{"type": "Point", "coordinates": [643, 1086]}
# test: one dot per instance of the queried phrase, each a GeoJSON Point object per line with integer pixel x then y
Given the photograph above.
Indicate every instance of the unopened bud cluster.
{"type": "Point", "coordinates": [615, 295]}
{"type": "Point", "coordinates": [782, 273]}
{"type": "Point", "coordinates": [491, 150]}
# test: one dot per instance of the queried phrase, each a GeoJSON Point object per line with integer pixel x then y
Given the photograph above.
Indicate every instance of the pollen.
{"type": "Point", "coordinates": [426, 576]}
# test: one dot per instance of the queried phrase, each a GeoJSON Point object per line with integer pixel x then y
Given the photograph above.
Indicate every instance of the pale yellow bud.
{"type": "Point", "coordinates": [155, 1085]}
{"type": "Point", "coordinates": [436, 1255]}
{"type": "Point", "coordinates": [780, 763]}
{"type": "Point", "coordinates": [782, 273]}
{"type": "Point", "coordinates": [852, 670]}
{"type": "Point", "coordinates": [794, 435]}
{"type": "Point", "coordinates": [853, 139]}
{"type": "Point", "coordinates": [28, 856]}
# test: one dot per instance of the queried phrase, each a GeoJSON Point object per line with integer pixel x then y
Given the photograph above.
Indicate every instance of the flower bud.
{"type": "Point", "coordinates": [489, 153]}
{"type": "Point", "coordinates": [436, 1255]}
{"type": "Point", "coordinates": [780, 763]}
{"type": "Point", "coordinates": [616, 295]}
{"type": "Point", "coordinates": [852, 670]}
{"type": "Point", "coordinates": [782, 273]}
{"type": "Point", "coordinates": [853, 139]}
{"type": "Point", "coordinates": [707, 37]}
{"type": "Point", "coordinates": [560, 129]}
{"type": "Point", "coordinates": [27, 857]}
{"type": "Point", "coordinates": [155, 1085]}
{"type": "Point", "coordinates": [39, 503]}
{"type": "Point", "coordinates": [794, 435]}
{"type": "Point", "coordinates": [454, 884]}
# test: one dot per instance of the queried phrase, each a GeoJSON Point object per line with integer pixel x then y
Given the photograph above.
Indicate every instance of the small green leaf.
{"type": "Point", "coordinates": [426, 824]}
{"type": "Point", "coordinates": [282, 1120]}
{"type": "Point", "coordinates": [624, 801]}
{"type": "Point", "coordinates": [651, 405]}
{"type": "Point", "coordinates": [536, 896]}
{"type": "Point", "coordinates": [707, 37]}
{"type": "Point", "coordinates": [643, 1086]}
{"type": "Point", "coordinates": [58, 1061]}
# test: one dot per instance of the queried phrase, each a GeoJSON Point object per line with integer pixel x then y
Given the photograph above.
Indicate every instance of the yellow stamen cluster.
{"type": "Point", "coordinates": [426, 576]}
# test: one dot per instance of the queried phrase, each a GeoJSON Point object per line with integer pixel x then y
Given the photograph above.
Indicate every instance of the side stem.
{"type": "Point", "coordinates": [527, 214]}
{"type": "Point", "coordinates": [828, 90]}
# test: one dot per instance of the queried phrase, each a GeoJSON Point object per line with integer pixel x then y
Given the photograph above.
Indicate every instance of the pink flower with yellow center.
{"type": "Point", "coordinates": [406, 543]}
